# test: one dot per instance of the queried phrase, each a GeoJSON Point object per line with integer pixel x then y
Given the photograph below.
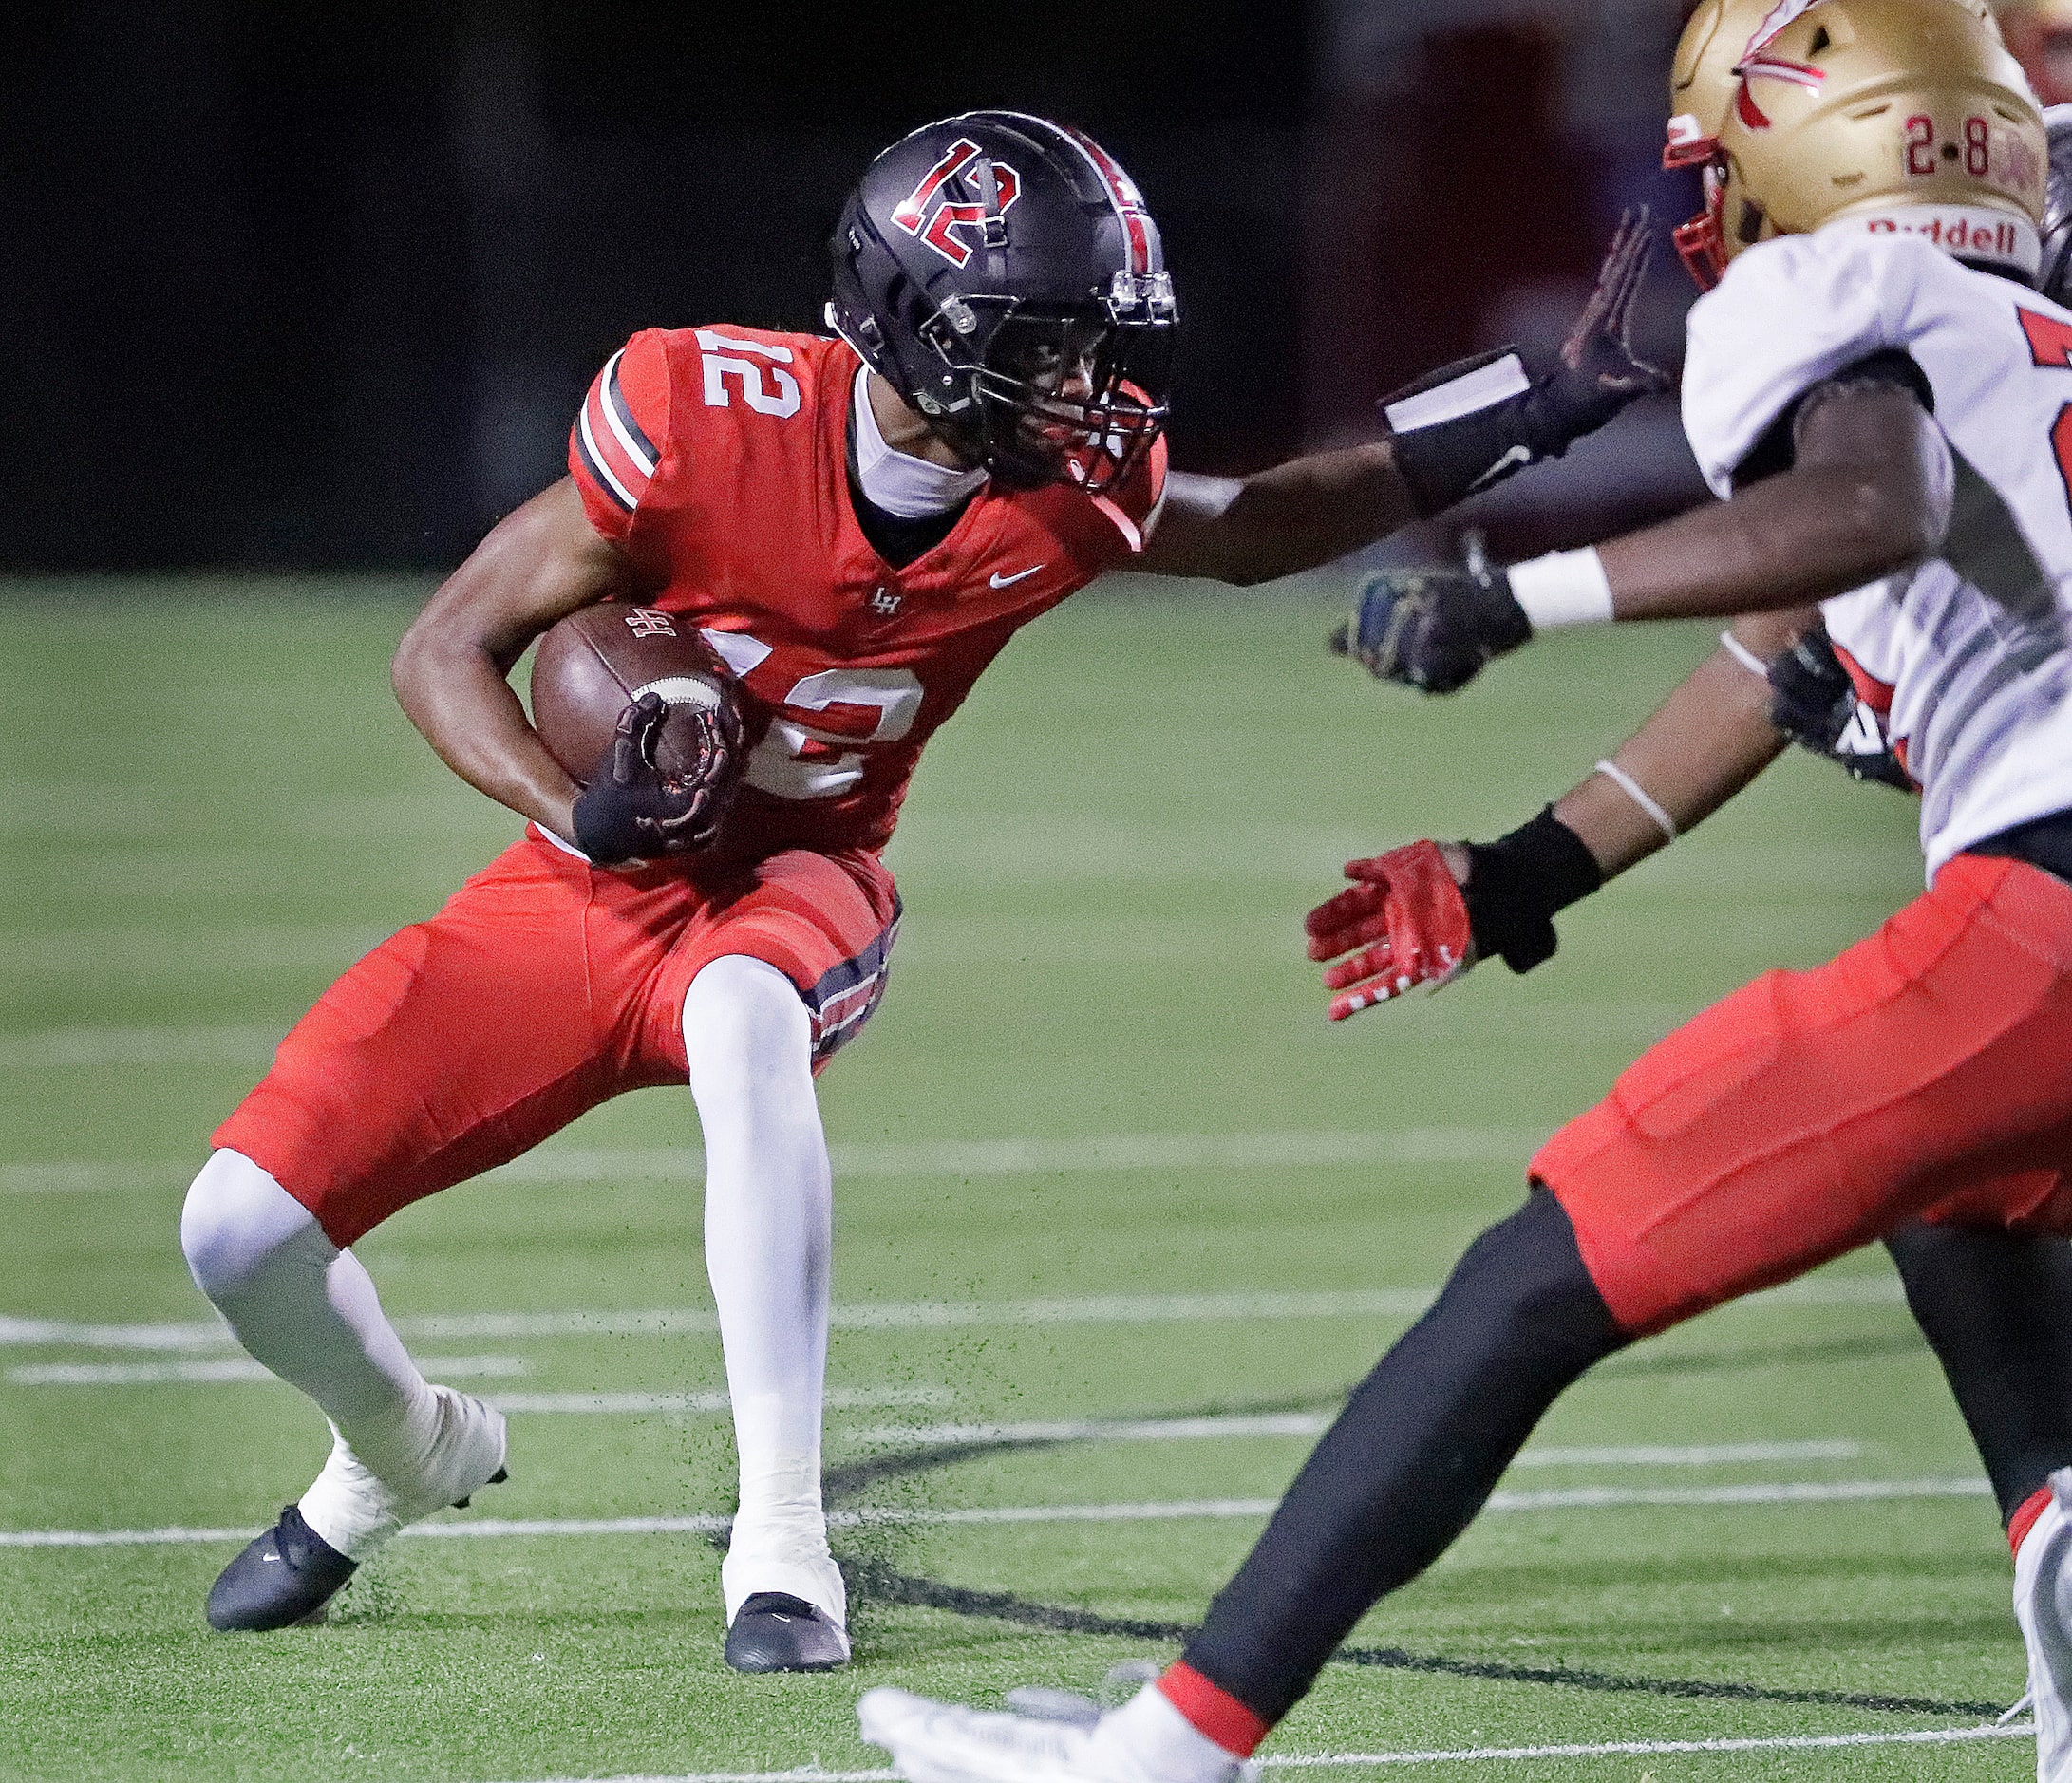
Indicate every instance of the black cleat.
{"type": "Point", "coordinates": [284, 1577]}
{"type": "Point", "coordinates": [779, 1633]}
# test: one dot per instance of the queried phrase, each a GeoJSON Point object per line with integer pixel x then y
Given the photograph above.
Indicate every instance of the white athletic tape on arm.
{"type": "Point", "coordinates": [1744, 656]}
{"type": "Point", "coordinates": [1565, 587]}
{"type": "Point", "coordinates": [1639, 795]}
{"type": "Point", "coordinates": [1483, 387]}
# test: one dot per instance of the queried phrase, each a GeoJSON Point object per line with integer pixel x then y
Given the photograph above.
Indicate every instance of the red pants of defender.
{"type": "Point", "coordinates": [543, 987]}
{"type": "Point", "coordinates": [1927, 1071]}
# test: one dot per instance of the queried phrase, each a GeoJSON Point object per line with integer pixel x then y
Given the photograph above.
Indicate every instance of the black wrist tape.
{"type": "Point", "coordinates": [1460, 428]}
{"type": "Point", "coordinates": [1472, 424]}
{"type": "Point", "coordinates": [1517, 883]}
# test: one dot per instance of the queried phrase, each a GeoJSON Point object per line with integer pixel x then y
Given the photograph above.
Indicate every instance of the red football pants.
{"type": "Point", "coordinates": [1925, 1071]}
{"type": "Point", "coordinates": [543, 988]}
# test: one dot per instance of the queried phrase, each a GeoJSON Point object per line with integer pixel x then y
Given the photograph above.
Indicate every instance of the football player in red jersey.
{"type": "Point", "coordinates": [857, 524]}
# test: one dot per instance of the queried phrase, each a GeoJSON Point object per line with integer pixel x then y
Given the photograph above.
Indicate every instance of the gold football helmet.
{"type": "Point", "coordinates": [1704, 80]}
{"type": "Point", "coordinates": [1903, 115]}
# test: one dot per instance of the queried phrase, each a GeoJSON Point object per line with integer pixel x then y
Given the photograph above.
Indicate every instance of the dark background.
{"type": "Point", "coordinates": [320, 286]}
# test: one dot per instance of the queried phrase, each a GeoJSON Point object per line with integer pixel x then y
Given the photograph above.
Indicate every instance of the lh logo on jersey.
{"type": "Point", "coordinates": [934, 217]}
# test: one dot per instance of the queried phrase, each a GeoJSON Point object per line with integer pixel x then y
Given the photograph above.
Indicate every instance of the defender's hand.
{"type": "Point", "coordinates": [1408, 920]}
{"type": "Point", "coordinates": [1600, 371]}
{"type": "Point", "coordinates": [1433, 630]}
{"type": "Point", "coordinates": [635, 812]}
{"type": "Point", "coordinates": [1470, 425]}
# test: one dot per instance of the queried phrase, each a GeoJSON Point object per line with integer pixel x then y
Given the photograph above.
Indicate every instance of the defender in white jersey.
{"type": "Point", "coordinates": [1964, 653]}
{"type": "Point", "coordinates": [1866, 388]}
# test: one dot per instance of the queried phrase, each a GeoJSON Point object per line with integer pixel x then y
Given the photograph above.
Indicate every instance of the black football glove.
{"type": "Point", "coordinates": [634, 811]}
{"type": "Point", "coordinates": [1813, 703]}
{"type": "Point", "coordinates": [1433, 630]}
{"type": "Point", "coordinates": [1491, 422]}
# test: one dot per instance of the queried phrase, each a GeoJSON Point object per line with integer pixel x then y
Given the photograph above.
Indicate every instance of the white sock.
{"type": "Point", "coordinates": [1161, 1742]}
{"type": "Point", "coordinates": [307, 1310]}
{"type": "Point", "coordinates": [770, 1236]}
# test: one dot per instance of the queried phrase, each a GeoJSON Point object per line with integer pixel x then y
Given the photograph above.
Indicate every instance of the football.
{"type": "Point", "coordinates": [596, 663]}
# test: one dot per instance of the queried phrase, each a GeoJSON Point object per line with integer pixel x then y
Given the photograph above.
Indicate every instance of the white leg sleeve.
{"type": "Point", "coordinates": [769, 1235]}
{"type": "Point", "coordinates": [305, 1309]}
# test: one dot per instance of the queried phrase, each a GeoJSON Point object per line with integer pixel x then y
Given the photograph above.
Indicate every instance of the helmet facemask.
{"type": "Point", "coordinates": [1701, 243]}
{"type": "Point", "coordinates": [1702, 78]}
{"type": "Point", "coordinates": [1059, 395]}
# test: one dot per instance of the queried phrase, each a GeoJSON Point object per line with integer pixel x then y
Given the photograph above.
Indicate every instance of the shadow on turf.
{"type": "Point", "coordinates": [874, 1580]}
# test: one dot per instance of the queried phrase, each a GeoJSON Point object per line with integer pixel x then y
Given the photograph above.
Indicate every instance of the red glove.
{"type": "Point", "coordinates": [1407, 917]}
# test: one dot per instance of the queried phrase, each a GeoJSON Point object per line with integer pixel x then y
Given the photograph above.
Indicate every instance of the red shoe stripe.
{"type": "Point", "coordinates": [2025, 1517]}
{"type": "Point", "coordinates": [1212, 1710]}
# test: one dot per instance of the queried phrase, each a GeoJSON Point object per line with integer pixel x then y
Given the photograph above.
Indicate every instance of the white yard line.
{"type": "Point", "coordinates": [1458, 1754]}
{"type": "Point", "coordinates": [235, 1368]}
{"type": "Point", "coordinates": [1097, 1152]}
{"type": "Point", "coordinates": [1358, 1302]}
{"type": "Point", "coordinates": [926, 1315]}
{"type": "Point", "coordinates": [200, 1334]}
{"type": "Point", "coordinates": [66, 1046]}
{"type": "Point", "coordinates": [88, 1178]}
{"type": "Point", "coordinates": [1647, 1747]}
{"type": "Point", "coordinates": [685, 1164]}
{"type": "Point", "coordinates": [1236, 1424]}
{"type": "Point", "coordinates": [1756, 1492]}
{"type": "Point", "coordinates": [605, 1404]}
{"type": "Point", "coordinates": [1575, 1498]}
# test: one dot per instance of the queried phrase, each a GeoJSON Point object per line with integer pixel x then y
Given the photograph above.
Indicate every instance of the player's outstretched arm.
{"type": "Point", "coordinates": [1424, 913]}
{"type": "Point", "coordinates": [1294, 516]}
{"type": "Point", "coordinates": [1452, 434]}
{"type": "Point", "coordinates": [1870, 491]}
{"type": "Point", "coordinates": [538, 565]}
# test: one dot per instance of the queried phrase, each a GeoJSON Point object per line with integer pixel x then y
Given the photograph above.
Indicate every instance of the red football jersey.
{"type": "Point", "coordinates": [718, 458]}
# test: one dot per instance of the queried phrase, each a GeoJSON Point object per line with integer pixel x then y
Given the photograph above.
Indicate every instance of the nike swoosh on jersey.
{"type": "Point", "coordinates": [1020, 575]}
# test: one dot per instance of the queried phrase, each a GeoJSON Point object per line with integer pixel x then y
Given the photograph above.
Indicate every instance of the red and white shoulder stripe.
{"type": "Point", "coordinates": [616, 443]}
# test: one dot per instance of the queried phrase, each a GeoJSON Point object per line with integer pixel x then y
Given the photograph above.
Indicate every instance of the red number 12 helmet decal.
{"type": "Point", "coordinates": [925, 212]}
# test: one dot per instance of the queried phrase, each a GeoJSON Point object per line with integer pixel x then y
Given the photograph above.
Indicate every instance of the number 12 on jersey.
{"type": "Point", "coordinates": [805, 753]}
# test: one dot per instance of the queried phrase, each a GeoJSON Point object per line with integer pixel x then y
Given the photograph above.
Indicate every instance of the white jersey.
{"type": "Point", "coordinates": [1967, 652]}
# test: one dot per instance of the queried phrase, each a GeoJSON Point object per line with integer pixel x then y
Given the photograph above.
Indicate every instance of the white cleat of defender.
{"type": "Point", "coordinates": [2043, 1604]}
{"type": "Point", "coordinates": [1071, 1741]}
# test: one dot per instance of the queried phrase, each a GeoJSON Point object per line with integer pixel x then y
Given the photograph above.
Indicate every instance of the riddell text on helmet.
{"type": "Point", "coordinates": [1959, 232]}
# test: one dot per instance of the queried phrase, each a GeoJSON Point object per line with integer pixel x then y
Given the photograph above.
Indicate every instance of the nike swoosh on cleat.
{"type": "Point", "coordinates": [1020, 575]}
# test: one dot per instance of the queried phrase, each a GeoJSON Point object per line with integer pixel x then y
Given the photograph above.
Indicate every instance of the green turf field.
{"type": "Point", "coordinates": [1099, 1158]}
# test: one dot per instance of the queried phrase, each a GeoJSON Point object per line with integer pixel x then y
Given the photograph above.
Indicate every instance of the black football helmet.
{"type": "Point", "coordinates": [1002, 271]}
{"type": "Point", "coordinates": [2054, 277]}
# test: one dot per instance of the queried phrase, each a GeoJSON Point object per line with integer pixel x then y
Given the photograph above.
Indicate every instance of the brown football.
{"type": "Point", "coordinates": [596, 663]}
